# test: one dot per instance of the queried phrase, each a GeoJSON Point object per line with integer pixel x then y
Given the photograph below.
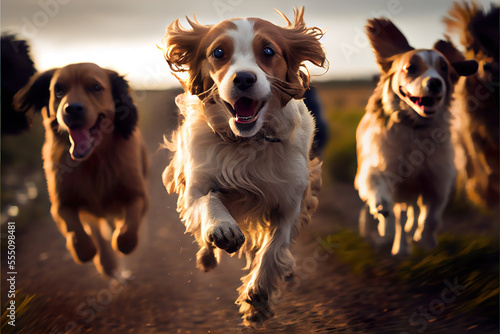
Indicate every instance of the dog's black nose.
{"type": "Point", "coordinates": [74, 109]}
{"type": "Point", "coordinates": [244, 80]}
{"type": "Point", "coordinates": [434, 85]}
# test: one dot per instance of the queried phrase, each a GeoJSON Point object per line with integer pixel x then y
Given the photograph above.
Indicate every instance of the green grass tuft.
{"type": "Point", "coordinates": [353, 250]}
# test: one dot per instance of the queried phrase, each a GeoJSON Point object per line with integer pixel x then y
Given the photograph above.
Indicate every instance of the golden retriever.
{"type": "Point", "coordinates": [95, 160]}
{"type": "Point", "coordinates": [241, 162]}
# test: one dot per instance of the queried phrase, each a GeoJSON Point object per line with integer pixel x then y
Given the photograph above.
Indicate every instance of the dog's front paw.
{"type": "Point", "coordinates": [81, 247]}
{"type": "Point", "coordinates": [382, 208]}
{"type": "Point", "coordinates": [256, 308]}
{"type": "Point", "coordinates": [124, 240]}
{"type": "Point", "coordinates": [226, 236]}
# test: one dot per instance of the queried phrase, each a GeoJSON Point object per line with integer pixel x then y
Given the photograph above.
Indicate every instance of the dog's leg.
{"type": "Point", "coordinates": [367, 224]}
{"type": "Point", "coordinates": [272, 263]}
{"type": "Point", "coordinates": [125, 236]}
{"type": "Point", "coordinates": [218, 227]}
{"type": "Point", "coordinates": [104, 261]}
{"type": "Point", "coordinates": [207, 258]}
{"type": "Point", "coordinates": [78, 242]}
{"type": "Point", "coordinates": [411, 219]}
{"type": "Point", "coordinates": [431, 211]}
{"type": "Point", "coordinates": [400, 245]}
{"type": "Point", "coordinates": [374, 191]}
{"type": "Point", "coordinates": [206, 217]}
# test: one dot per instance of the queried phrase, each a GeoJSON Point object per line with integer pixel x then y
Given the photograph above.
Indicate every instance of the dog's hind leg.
{"type": "Point", "coordinates": [104, 261]}
{"type": "Point", "coordinates": [272, 263]}
{"type": "Point", "coordinates": [207, 257]}
{"type": "Point", "coordinates": [367, 224]}
{"type": "Point", "coordinates": [78, 242]}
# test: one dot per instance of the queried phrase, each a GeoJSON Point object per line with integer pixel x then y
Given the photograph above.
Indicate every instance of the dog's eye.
{"type": "Point", "coordinates": [96, 88]}
{"type": "Point", "coordinates": [218, 53]}
{"type": "Point", "coordinates": [410, 69]}
{"type": "Point", "coordinates": [58, 92]}
{"type": "Point", "coordinates": [268, 51]}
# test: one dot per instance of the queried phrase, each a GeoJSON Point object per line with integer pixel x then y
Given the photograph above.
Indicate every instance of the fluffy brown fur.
{"type": "Point", "coordinates": [405, 155]}
{"type": "Point", "coordinates": [245, 190]}
{"type": "Point", "coordinates": [17, 69]}
{"type": "Point", "coordinates": [476, 102]}
{"type": "Point", "coordinates": [95, 161]}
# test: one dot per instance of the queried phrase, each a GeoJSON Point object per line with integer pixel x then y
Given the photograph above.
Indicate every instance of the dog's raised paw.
{"type": "Point", "coordinates": [82, 248]}
{"type": "Point", "coordinates": [124, 241]}
{"type": "Point", "coordinates": [226, 236]}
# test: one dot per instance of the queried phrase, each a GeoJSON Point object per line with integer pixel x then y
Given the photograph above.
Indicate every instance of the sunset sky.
{"type": "Point", "coordinates": [123, 34]}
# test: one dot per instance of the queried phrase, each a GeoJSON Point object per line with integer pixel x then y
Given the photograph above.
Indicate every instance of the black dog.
{"type": "Point", "coordinates": [17, 69]}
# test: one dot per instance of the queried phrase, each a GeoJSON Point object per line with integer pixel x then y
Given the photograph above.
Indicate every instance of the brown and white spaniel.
{"type": "Point", "coordinates": [241, 162]}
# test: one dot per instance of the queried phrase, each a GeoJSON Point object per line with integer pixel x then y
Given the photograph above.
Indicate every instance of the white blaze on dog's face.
{"type": "Point", "coordinates": [81, 99]}
{"type": "Point", "coordinates": [421, 79]}
{"type": "Point", "coordinates": [241, 59]}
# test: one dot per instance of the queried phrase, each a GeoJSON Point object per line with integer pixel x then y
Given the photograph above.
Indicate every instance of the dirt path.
{"type": "Point", "coordinates": [165, 293]}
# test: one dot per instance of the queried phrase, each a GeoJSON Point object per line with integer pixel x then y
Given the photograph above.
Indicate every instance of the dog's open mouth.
{"type": "Point", "coordinates": [245, 110]}
{"type": "Point", "coordinates": [427, 105]}
{"type": "Point", "coordinates": [84, 140]}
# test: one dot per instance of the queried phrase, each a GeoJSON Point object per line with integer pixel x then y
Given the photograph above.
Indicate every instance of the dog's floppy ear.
{"type": "Point", "coordinates": [36, 94]}
{"type": "Point", "coordinates": [303, 45]}
{"type": "Point", "coordinates": [460, 66]}
{"type": "Point", "coordinates": [386, 41]}
{"type": "Point", "coordinates": [182, 53]}
{"type": "Point", "coordinates": [125, 111]}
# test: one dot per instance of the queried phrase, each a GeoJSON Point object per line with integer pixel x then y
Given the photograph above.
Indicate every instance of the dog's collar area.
{"type": "Point", "coordinates": [412, 120]}
{"type": "Point", "coordinates": [258, 136]}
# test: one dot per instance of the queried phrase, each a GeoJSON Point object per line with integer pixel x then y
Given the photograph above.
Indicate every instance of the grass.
{"type": "Point", "coordinates": [471, 260]}
{"type": "Point", "coordinates": [22, 306]}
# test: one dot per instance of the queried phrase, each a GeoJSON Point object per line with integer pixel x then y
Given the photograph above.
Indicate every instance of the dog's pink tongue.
{"type": "Point", "coordinates": [245, 107]}
{"type": "Point", "coordinates": [81, 142]}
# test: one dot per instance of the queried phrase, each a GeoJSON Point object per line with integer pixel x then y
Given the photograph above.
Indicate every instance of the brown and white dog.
{"type": "Point", "coordinates": [95, 161]}
{"type": "Point", "coordinates": [476, 106]}
{"type": "Point", "coordinates": [241, 161]}
{"type": "Point", "coordinates": [404, 149]}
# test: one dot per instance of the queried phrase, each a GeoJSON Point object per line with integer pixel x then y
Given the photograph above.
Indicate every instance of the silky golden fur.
{"type": "Point", "coordinates": [109, 185]}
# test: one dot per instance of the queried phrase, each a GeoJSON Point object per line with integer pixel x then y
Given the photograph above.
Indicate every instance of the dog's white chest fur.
{"type": "Point", "coordinates": [260, 174]}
